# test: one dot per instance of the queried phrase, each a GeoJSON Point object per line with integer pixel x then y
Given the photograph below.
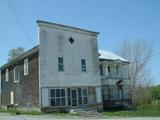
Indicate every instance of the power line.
{"type": "Point", "coordinates": [19, 22]}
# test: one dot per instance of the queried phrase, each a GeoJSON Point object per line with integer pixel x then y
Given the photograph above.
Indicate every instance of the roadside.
{"type": "Point", "coordinates": [6, 116]}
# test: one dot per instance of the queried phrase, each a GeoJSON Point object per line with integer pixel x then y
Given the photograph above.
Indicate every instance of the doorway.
{"type": "Point", "coordinates": [74, 97]}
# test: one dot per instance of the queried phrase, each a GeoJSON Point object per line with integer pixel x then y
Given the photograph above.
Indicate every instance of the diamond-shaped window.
{"type": "Point", "coordinates": [71, 40]}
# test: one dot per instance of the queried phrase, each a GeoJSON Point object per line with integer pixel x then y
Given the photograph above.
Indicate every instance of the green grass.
{"type": "Point", "coordinates": [142, 110]}
{"type": "Point", "coordinates": [55, 114]}
{"type": "Point", "coordinates": [14, 112]}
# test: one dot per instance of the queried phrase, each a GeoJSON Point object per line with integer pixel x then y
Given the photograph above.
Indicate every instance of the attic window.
{"type": "Point", "coordinates": [71, 40]}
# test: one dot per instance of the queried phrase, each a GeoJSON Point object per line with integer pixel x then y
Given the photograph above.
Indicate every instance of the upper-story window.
{"type": "Point", "coordinates": [109, 69]}
{"type": "Point", "coordinates": [16, 74]}
{"type": "Point", "coordinates": [117, 67]}
{"type": "Point", "coordinates": [83, 65]}
{"type": "Point", "coordinates": [101, 70]}
{"type": "Point", "coordinates": [60, 64]}
{"type": "Point", "coordinates": [7, 75]}
{"type": "Point", "coordinates": [26, 67]}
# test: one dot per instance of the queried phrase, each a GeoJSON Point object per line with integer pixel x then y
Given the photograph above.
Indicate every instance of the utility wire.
{"type": "Point", "coordinates": [19, 22]}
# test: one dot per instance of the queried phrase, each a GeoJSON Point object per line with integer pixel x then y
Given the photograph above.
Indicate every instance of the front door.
{"type": "Point", "coordinates": [74, 97]}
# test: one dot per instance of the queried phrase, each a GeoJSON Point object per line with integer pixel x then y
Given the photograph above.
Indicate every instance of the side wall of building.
{"type": "Point", "coordinates": [26, 91]}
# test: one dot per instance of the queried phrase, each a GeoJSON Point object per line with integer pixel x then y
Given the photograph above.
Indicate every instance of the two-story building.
{"type": "Point", "coordinates": [63, 72]}
{"type": "Point", "coordinates": [115, 80]}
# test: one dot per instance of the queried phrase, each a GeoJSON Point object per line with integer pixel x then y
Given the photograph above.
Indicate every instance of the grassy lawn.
{"type": "Point", "coordinates": [142, 110]}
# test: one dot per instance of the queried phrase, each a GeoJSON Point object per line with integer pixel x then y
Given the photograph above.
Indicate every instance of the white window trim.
{"type": "Point", "coordinates": [58, 97]}
{"type": "Point", "coordinates": [16, 81]}
{"type": "Point", "coordinates": [7, 75]}
{"type": "Point", "coordinates": [25, 66]}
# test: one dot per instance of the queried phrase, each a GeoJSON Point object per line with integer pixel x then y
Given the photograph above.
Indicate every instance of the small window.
{"type": "Point", "coordinates": [60, 64]}
{"type": "Point", "coordinates": [117, 67]}
{"type": "Point", "coordinates": [101, 70]}
{"type": "Point", "coordinates": [7, 75]}
{"type": "Point", "coordinates": [16, 74]}
{"type": "Point", "coordinates": [26, 67]}
{"type": "Point", "coordinates": [83, 65]}
{"type": "Point", "coordinates": [109, 69]}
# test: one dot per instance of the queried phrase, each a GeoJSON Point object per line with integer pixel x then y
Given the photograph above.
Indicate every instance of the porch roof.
{"type": "Point", "coordinates": [110, 56]}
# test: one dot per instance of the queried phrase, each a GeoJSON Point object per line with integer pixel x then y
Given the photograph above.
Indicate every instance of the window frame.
{"type": "Point", "coordinates": [101, 70]}
{"type": "Point", "coordinates": [85, 96]}
{"type": "Point", "coordinates": [16, 67]}
{"type": "Point", "coordinates": [60, 64]}
{"type": "Point", "coordinates": [83, 65]}
{"type": "Point", "coordinates": [55, 97]}
{"type": "Point", "coordinates": [26, 66]}
{"type": "Point", "coordinates": [6, 74]}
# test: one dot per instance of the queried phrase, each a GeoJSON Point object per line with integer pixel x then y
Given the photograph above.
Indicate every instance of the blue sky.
{"type": "Point", "coordinates": [116, 20]}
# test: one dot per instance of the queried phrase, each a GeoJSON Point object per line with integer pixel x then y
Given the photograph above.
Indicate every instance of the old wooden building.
{"type": "Point", "coordinates": [64, 71]}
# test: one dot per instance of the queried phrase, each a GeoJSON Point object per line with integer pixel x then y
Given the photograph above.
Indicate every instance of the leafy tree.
{"type": "Point", "coordinates": [13, 53]}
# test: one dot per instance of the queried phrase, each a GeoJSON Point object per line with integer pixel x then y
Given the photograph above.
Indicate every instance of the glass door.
{"type": "Point", "coordinates": [74, 97]}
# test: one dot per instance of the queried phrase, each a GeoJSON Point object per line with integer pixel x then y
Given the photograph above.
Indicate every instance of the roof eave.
{"type": "Point", "coordinates": [25, 54]}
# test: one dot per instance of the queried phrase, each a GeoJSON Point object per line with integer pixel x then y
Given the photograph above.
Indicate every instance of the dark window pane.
{"type": "Point", "coordinates": [69, 101]}
{"type": "Point", "coordinates": [68, 92]}
{"type": "Point", "coordinates": [53, 102]}
{"type": "Point", "coordinates": [60, 60]}
{"type": "Point", "coordinates": [60, 64]}
{"type": "Point", "coordinates": [58, 102]}
{"type": "Point", "coordinates": [117, 69]}
{"type": "Point", "coordinates": [52, 93]}
{"type": "Point", "coordinates": [63, 101]}
{"type": "Point", "coordinates": [84, 92]}
{"type": "Point", "coordinates": [69, 96]}
{"type": "Point", "coordinates": [79, 96]}
{"type": "Point", "coordinates": [57, 92]}
{"type": "Point", "coordinates": [60, 68]}
{"type": "Point", "coordinates": [71, 40]}
{"type": "Point", "coordinates": [74, 102]}
{"type": "Point", "coordinates": [80, 100]}
{"type": "Point", "coordinates": [79, 92]}
{"type": "Point", "coordinates": [83, 62]}
{"type": "Point", "coordinates": [83, 68]}
{"type": "Point", "coordinates": [109, 69]}
{"type": "Point", "coordinates": [85, 101]}
{"type": "Point", "coordinates": [74, 94]}
{"type": "Point", "coordinates": [62, 93]}
{"type": "Point", "coordinates": [101, 70]}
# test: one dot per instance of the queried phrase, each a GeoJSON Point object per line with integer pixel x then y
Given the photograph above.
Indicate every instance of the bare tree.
{"type": "Point", "coordinates": [13, 53]}
{"type": "Point", "coordinates": [138, 52]}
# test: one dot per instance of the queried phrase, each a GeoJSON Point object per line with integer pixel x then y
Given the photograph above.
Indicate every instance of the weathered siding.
{"type": "Point", "coordinates": [26, 91]}
{"type": "Point", "coordinates": [54, 43]}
